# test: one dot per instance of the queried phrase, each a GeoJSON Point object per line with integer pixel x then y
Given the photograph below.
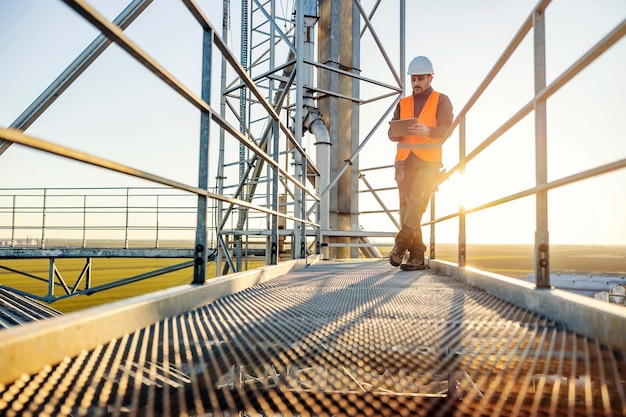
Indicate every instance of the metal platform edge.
{"type": "Point", "coordinates": [26, 349]}
{"type": "Point", "coordinates": [587, 316]}
{"type": "Point", "coordinates": [66, 252]}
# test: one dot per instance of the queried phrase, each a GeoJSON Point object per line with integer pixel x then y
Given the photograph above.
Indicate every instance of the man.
{"type": "Point", "coordinates": [418, 160]}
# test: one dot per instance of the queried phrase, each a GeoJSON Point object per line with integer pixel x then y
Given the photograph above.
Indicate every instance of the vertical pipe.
{"type": "Point", "coordinates": [542, 246]}
{"type": "Point", "coordinates": [298, 192]}
{"type": "Point", "coordinates": [312, 119]}
{"type": "Point", "coordinates": [462, 249]}
{"type": "Point", "coordinates": [200, 251]}
{"type": "Point", "coordinates": [323, 148]}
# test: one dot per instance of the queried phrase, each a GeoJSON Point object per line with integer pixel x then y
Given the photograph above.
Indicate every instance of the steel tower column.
{"type": "Point", "coordinates": [339, 47]}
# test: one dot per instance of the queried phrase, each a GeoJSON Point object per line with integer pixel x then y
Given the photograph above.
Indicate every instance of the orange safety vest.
{"type": "Point", "coordinates": [425, 148]}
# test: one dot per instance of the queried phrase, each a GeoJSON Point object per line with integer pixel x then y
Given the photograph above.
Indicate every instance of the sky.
{"type": "Point", "coordinates": [120, 111]}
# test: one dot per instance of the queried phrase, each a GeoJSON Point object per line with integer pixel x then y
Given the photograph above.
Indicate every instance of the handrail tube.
{"type": "Point", "coordinates": [114, 33]}
{"type": "Point", "coordinates": [73, 71]}
{"type": "Point", "coordinates": [548, 91]}
{"type": "Point", "coordinates": [30, 141]}
{"type": "Point", "coordinates": [603, 169]}
{"type": "Point", "coordinates": [594, 52]}
{"type": "Point", "coordinates": [504, 57]}
{"type": "Point", "coordinates": [521, 113]}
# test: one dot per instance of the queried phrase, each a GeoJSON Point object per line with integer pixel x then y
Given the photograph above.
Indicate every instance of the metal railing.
{"type": "Point", "coordinates": [70, 336]}
{"type": "Point", "coordinates": [535, 24]}
{"type": "Point", "coordinates": [112, 32]}
{"type": "Point", "coordinates": [149, 217]}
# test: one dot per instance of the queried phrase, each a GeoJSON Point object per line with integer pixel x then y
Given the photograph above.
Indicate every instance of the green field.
{"type": "Point", "coordinates": [104, 270]}
{"type": "Point", "coordinates": [511, 260]}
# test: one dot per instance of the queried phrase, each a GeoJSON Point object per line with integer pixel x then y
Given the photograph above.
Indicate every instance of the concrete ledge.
{"type": "Point", "coordinates": [587, 316]}
{"type": "Point", "coordinates": [26, 349]}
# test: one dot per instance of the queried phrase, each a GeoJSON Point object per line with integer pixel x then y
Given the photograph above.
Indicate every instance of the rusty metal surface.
{"type": "Point", "coordinates": [344, 339]}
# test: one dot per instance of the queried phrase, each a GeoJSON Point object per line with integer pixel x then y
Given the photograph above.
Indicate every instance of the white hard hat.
{"type": "Point", "coordinates": [420, 65]}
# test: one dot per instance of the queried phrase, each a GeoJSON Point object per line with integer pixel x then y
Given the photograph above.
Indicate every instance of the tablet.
{"type": "Point", "coordinates": [401, 127]}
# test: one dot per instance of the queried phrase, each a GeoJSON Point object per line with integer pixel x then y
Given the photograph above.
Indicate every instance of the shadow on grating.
{"type": "Point", "coordinates": [337, 339]}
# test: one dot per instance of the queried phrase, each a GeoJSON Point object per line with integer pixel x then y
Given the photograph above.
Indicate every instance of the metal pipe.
{"type": "Point", "coordinates": [323, 149]}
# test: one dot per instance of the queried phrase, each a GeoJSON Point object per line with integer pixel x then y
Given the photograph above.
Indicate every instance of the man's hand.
{"type": "Point", "coordinates": [419, 129]}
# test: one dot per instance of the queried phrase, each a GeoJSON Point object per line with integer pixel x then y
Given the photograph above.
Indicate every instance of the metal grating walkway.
{"type": "Point", "coordinates": [343, 339]}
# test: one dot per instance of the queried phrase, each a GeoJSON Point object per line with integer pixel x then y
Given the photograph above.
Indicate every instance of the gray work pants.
{"type": "Point", "coordinates": [416, 181]}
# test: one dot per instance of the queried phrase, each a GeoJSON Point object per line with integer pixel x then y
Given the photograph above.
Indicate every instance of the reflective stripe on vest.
{"type": "Point", "coordinates": [423, 147]}
{"type": "Point", "coordinates": [419, 145]}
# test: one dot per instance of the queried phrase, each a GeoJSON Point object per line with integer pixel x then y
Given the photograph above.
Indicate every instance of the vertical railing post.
{"type": "Point", "coordinates": [542, 247]}
{"type": "Point", "coordinates": [43, 219]}
{"type": "Point", "coordinates": [462, 249]}
{"type": "Point", "coordinates": [88, 276]}
{"type": "Point", "coordinates": [84, 220]}
{"type": "Point", "coordinates": [274, 239]}
{"type": "Point", "coordinates": [200, 254]}
{"type": "Point", "coordinates": [432, 253]}
{"type": "Point", "coordinates": [156, 243]}
{"type": "Point", "coordinates": [127, 217]}
{"type": "Point", "coordinates": [51, 269]}
{"type": "Point", "coordinates": [13, 221]}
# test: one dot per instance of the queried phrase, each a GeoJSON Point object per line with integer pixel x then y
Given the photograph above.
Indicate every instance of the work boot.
{"type": "Point", "coordinates": [413, 264]}
{"type": "Point", "coordinates": [396, 256]}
